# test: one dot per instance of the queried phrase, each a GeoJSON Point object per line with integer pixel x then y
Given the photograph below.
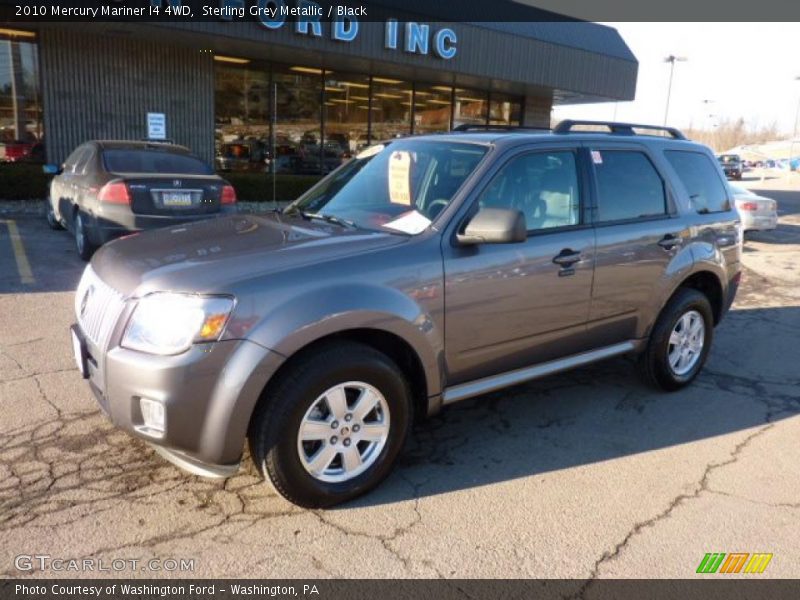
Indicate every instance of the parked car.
{"type": "Point", "coordinates": [731, 165]}
{"type": "Point", "coordinates": [757, 213]}
{"type": "Point", "coordinates": [318, 333]}
{"type": "Point", "coordinates": [106, 189]}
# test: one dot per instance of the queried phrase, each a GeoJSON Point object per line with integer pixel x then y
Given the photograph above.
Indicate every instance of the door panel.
{"type": "Point", "coordinates": [510, 305]}
{"type": "Point", "coordinates": [630, 268]}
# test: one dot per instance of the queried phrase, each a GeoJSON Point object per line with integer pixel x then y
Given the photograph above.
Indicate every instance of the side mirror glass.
{"type": "Point", "coordinates": [495, 226]}
{"type": "Point", "coordinates": [51, 169]}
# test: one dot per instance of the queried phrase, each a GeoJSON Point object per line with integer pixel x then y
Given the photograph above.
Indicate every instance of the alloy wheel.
{"type": "Point", "coordinates": [344, 431]}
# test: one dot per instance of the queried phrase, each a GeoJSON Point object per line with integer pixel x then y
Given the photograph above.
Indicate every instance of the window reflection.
{"type": "Point", "coordinates": [433, 107]}
{"type": "Point", "coordinates": [505, 109]}
{"type": "Point", "coordinates": [346, 110]}
{"type": "Point", "coordinates": [391, 108]}
{"type": "Point", "coordinates": [298, 135]}
{"type": "Point", "coordinates": [242, 100]}
{"type": "Point", "coordinates": [320, 119]}
{"type": "Point", "coordinates": [471, 107]}
{"type": "Point", "coordinates": [21, 130]}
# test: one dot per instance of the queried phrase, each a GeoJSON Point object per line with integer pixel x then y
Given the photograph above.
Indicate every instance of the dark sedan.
{"type": "Point", "coordinates": [106, 189]}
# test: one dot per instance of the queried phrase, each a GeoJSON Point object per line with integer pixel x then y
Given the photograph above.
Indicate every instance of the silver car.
{"type": "Point", "coordinates": [758, 213]}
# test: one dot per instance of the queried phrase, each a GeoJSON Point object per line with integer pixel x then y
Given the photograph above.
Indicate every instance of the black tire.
{"type": "Point", "coordinates": [275, 425]}
{"type": "Point", "coordinates": [83, 245]}
{"type": "Point", "coordinates": [654, 362]}
{"type": "Point", "coordinates": [52, 222]}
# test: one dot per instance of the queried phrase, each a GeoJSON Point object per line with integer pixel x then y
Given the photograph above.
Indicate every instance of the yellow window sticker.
{"type": "Point", "coordinates": [400, 178]}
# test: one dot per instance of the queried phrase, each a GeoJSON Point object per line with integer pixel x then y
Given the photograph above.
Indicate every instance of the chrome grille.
{"type": "Point", "coordinates": [97, 306]}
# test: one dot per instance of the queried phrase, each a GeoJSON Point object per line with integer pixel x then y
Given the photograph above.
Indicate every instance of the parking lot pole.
{"type": "Point", "coordinates": [671, 59]}
{"type": "Point", "coordinates": [794, 131]}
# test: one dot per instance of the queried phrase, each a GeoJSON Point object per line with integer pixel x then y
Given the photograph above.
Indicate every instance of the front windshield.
{"type": "Point", "coordinates": [728, 158]}
{"type": "Point", "coordinates": [399, 186]}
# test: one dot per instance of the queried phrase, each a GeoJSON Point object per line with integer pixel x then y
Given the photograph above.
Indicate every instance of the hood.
{"type": "Point", "coordinates": [213, 255]}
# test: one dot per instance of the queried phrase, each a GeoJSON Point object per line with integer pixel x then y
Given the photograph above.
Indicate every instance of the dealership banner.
{"type": "Point", "coordinates": [405, 589]}
{"type": "Point", "coordinates": [277, 13]}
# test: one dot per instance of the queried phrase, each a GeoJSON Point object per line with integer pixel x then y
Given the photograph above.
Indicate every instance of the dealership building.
{"type": "Point", "coordinates": [303, 90]}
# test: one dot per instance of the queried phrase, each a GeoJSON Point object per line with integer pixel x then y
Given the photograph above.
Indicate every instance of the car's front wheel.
{"type": "Point", "coordinates": [82, 243]}
{"type": "Point", "coordinates": [680, 341]}
{"type": "Point", "coordinates": [330, 428]}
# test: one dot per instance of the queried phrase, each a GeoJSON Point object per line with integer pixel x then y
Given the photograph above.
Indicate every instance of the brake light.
{"type": "Point", "coordinates": [749, 206]}
{"type": "Point", "coordinates": [115, 192]}
{"type": "Point", "coordinates": [228, 195]}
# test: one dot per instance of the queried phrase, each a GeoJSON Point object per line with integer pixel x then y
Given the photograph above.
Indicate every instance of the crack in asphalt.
{"type": "Point", "coordinates": [384, 539]}
{"type": "Point", "coordinates": [700, 488]}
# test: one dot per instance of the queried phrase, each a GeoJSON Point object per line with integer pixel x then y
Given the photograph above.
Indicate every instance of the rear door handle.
{"type": "Point", "coordinates": [567, 257]}
{"type": "Point", "coordinates": [669, 241]}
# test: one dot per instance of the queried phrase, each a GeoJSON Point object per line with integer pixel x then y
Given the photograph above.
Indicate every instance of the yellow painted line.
{"type": "Point", "coordinates": [23, 266]}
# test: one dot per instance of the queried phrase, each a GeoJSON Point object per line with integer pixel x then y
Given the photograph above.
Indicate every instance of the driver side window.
{"type": "Point", "coordinates": [542, 185]}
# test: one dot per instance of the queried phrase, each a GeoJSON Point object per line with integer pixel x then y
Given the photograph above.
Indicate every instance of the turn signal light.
{"type": "Point", "coordinates": [228, 195]}
{"type": "Point", "coordinates": [114, 193]}
{"type": "Point", "coordinates": [749, 206]}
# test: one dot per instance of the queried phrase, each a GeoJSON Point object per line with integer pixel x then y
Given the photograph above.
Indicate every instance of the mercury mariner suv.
{"type": "Point", "coordinates": [424, 271]}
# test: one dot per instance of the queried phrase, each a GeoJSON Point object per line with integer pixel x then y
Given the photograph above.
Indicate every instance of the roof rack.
{"type": "Point", "coordinates": [483, 127]}
{"type": "Point", "coordinates": [567, 126]}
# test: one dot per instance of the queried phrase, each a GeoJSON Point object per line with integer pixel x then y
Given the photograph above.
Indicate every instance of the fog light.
{"type": "Point", "coordinates": [154, 416]}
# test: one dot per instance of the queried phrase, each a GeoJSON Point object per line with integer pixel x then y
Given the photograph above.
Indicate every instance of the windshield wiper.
{"type": "Point", "coordinates": [329, 219]}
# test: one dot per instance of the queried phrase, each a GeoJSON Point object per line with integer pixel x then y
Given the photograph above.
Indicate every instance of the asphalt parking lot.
{"type": "Point", "coordinates": [582, 475]}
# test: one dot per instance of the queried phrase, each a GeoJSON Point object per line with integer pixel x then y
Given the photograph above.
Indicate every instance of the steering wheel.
{"type": "Point", "coordinates": [432, 210]}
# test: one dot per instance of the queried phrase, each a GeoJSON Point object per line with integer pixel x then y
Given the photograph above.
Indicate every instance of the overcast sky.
{"type": "Point", "coordinates": [746, 69]}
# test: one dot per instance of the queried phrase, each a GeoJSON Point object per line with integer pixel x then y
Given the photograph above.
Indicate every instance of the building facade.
{"type": "Point", "coordinates": [306, 93]}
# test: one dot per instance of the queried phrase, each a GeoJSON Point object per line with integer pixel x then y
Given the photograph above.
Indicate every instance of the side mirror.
{"type": "Point", "coordinates": [495, 226]}
{"type": "Point", "coordinates": [51, 169]}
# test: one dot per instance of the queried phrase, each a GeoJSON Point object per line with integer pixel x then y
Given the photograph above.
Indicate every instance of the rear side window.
{"type": "Point", "coordinates": [628, 185]}
{"type": "Point", "coordinates": [153, 161]}
{"type": "Point", "coordinates": [700, 178]}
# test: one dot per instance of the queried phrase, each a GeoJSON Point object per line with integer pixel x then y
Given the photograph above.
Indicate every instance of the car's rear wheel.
{"type": "Point", "coordinates": [82, 243]}
{"type": "Point", "coordinates": [330, 428]}
{"type": "Point", "coordinates": [680, 341]}
{"type": "Point", "coordinates": [51, 217]}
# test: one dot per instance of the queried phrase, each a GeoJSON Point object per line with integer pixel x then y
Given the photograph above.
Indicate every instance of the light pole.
{"type": "Point", "coordinates": [671, 59]}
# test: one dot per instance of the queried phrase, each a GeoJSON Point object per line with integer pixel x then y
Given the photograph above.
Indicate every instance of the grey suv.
{"type": "Point", "coordinates": [424, 271]}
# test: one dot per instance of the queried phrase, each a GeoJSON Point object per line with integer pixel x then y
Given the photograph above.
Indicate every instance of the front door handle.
{"type": "Point", "coordinates": [567, 257]}
{"type": "Point", "coordinates": [669, 241]}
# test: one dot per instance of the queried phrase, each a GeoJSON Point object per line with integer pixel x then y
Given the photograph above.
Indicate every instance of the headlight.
{"type": "Point", "coordinates": [166, 323]}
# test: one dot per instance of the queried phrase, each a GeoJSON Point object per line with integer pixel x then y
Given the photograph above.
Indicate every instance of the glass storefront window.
{"type": "Point", "coordinates": [505, 109]}
{"type": "Point", "coordinates": [391, 108]}
{"type": "Point", "coordinates": [320, 119]}
{"type": "Point", "coordinates": [298, 122]}
{"type": "Point", "coordinates": [433, 106]}
{"type": "Point", "coordinates": [346, 110]}
{"type": "Point", "coordinates": [242, 101]}
{"type": "Point", "coordinates": [21, 128]}
{"type": "Point", "coordinates": [471, 107]}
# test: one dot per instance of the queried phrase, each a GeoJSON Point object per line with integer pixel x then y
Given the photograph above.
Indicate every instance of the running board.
{"type": "Point", "coordinates": [496, 382]}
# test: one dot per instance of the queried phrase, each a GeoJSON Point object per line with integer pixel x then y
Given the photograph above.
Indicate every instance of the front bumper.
{"type": "Point", "coordinates": [208, 392]}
